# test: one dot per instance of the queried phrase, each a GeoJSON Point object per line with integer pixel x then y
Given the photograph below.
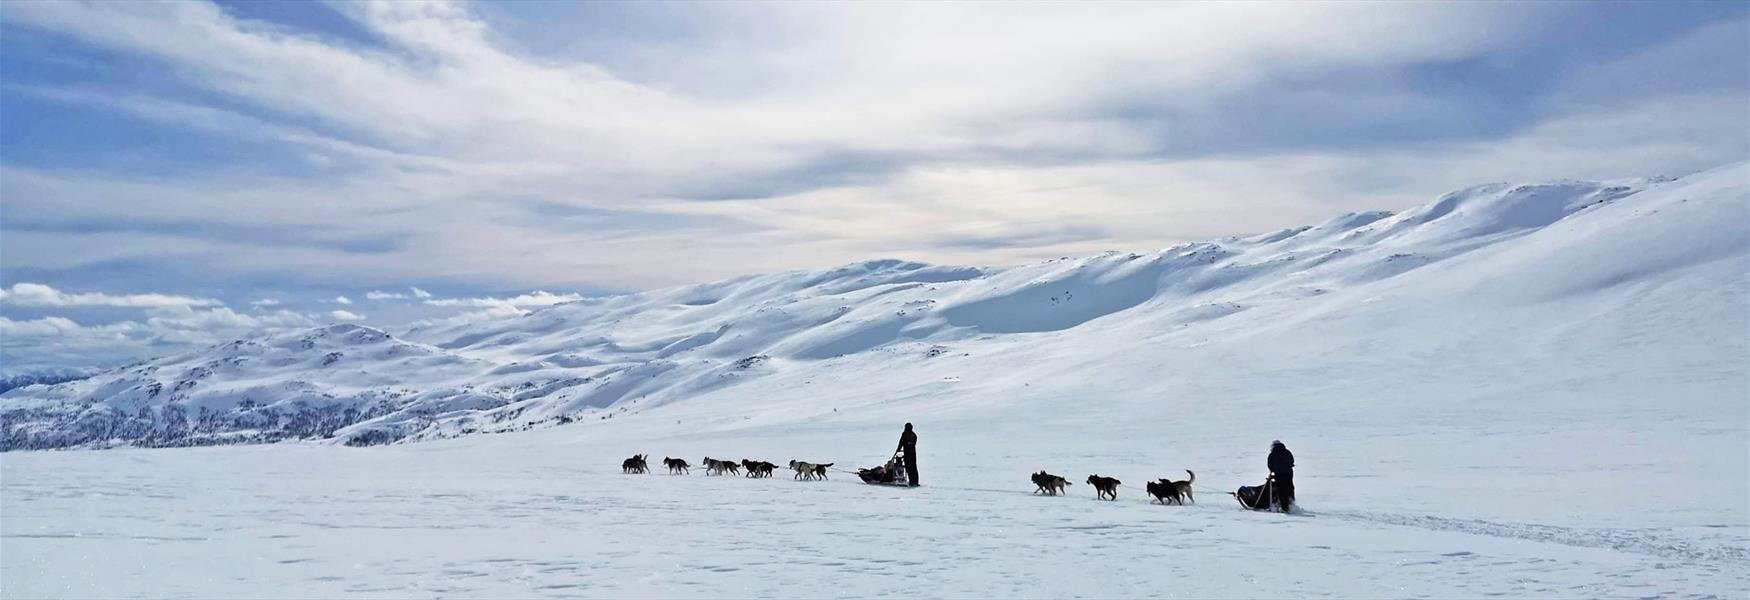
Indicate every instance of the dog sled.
{"type": "Point", "coordinates": [892, 473]}
{"type": "Point", "coordinates": [1262, 497]}
{"type": "Point", "coordinates": [1256, 497]}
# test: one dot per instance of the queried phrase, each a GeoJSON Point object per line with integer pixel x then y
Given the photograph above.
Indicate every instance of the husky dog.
{"type": "Point", "coordinates": [1105, 488]}
{"type": "Point", "coordinates": [1162, 491]}
{"type": "Point", "coordinates": [635, 464]}
{"type": "Point", "coordinates": [719, 467]}
{"type": "Point", "coordinates": [1183, 488]}
{"type": "Point", "coordinates": [675, 466]}
{"type": "Point", "coordinates": [758, 468]}
{"type": "Point", "coordinates": [1049, 484]}
{"type": "Point", "coordinates": [808, 471]}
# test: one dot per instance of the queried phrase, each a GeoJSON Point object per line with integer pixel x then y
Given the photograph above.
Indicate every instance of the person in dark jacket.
{"type": "Point", "coordinates": [1282, 470]}
{"type": "Point", "coordinates": [908, 445]}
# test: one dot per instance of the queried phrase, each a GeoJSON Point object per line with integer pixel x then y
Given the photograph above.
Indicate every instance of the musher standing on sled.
{"type": "Point", "coordinates": [1281, 464]}
{"type": "Point", "coordinates": [908, 444]}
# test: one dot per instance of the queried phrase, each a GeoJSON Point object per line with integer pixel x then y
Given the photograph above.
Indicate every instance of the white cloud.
{"type": "Point", "coordinates": [346, 315]}
{"type": "Point", "coordinates": [419, 293]}
{"type": "Point", "coordinates": [265, 302]}
{"type": "Point", "coordinates": [833, 139]}
{"type": "Point", "coordinates": [54, 327]}
{"type": "Point", "coordinates": [529, 300]}
{"type": "Point", "coordinates": [342, 300]}
{"type": "Point", "coordinates": [494, 308]}
{"type": "Point", "coordinates": [36, 294]}
{"type": "Point", "coordinates": [381, 295]}
{"type": "Point", "coordinates": [61, 341]}
{"type": "Point", "coordinates": [968, 80]}
{"type": "Point", "coordinates": [496, 311]}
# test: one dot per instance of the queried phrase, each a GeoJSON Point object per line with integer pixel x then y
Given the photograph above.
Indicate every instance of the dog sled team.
{"type": "Point", "coordinates": [1275, 494]}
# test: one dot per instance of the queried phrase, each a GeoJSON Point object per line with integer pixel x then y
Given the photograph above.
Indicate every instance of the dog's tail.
{"type": "Point", "coordinates": [1193, 478]}
{"type": "Point", "coordinates": [824, 466]}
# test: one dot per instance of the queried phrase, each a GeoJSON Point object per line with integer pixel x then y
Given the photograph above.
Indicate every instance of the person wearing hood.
{"type": "Point", "coordinates": [908, 446]}
{"type": "Point", "coordinates": [1281, 464]}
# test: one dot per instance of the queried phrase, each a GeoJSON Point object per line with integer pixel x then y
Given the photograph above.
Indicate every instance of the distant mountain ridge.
{"type": "Point", "coordinates": [44, 377]}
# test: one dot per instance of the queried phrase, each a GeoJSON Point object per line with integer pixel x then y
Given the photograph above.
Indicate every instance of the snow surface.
{"type": "Point", "coordinates": [1538, 390]}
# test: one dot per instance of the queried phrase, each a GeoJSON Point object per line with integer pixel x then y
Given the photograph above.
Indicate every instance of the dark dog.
{"type": "Point", "coordinates": [820, 470]}
{"type": "Point", "coordinates": [675, 466]}
{"type": "Point", "coordinates": [758, 468]}
{"type": "Point", "coordinates": [1105, 488]}
{"type": "Point", "coordinates": [1049, 484]}
{"type": "Point", "coordinates": [1177, 491]}
{"type": "Point", "coordinates": [635, 464]}
{"type": "Point", "coordinates": [1161, 490]}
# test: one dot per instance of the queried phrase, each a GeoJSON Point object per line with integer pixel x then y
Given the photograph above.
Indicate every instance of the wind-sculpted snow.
{"type": "Point", "coordinates": [617, 357]}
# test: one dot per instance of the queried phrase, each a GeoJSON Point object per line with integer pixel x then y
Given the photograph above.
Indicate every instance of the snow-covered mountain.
{"type": "Point", "coordinates": [49, 376]}
{"type": "Point", "coordinates": [1514, 273]}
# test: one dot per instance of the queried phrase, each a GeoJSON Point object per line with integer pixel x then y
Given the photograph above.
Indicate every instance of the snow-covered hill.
{"type": "Point", "coordinates": [1520, 391]}
{"type": "Point", "coordinates": [1531, 262]}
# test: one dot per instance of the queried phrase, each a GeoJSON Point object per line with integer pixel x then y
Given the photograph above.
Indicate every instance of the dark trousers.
{"type": "Point", "coordinates": [1284, 491]}
{"type": "Point", "coordinates": [911, 466]}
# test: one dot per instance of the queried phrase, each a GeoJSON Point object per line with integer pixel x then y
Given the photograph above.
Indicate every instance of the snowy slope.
{"type": "Point", "coordinates": [601, 357]}
{"type": "Point", "coordinates": [1514, 390]}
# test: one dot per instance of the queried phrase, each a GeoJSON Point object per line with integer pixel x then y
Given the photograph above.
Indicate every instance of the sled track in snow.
{"type": "Point", "coordinates": [1649, 542]}
{"type": "Point", "coordinates": [1639, 541]}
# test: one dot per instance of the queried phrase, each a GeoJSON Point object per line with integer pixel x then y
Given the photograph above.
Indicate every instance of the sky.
{"type": "Point", "coordinates": [181, 174]}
